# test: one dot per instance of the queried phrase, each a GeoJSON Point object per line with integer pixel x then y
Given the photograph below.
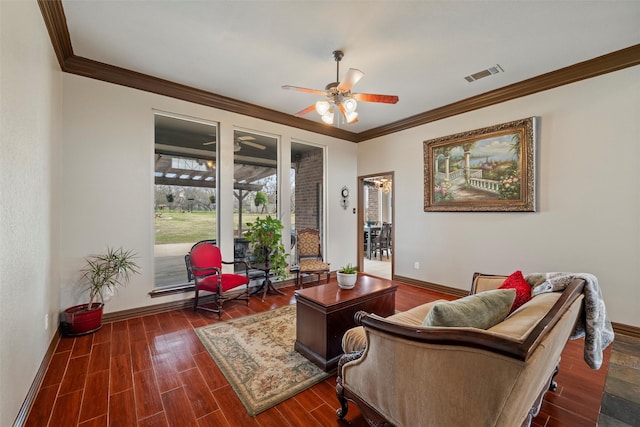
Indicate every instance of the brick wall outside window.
{"type": "Point", "coordinates": [308, 187]}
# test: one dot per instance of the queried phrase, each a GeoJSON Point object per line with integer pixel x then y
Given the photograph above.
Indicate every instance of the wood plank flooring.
{"type": "Point", "coordinates": [153, 371]}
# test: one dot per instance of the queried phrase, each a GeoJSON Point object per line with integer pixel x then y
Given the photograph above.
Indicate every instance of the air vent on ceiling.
{"type": "Point", "coordinates": [484, 73]}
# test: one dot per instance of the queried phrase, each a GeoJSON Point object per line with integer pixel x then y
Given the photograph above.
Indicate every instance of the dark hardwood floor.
{"type": "Point", "coordinates": [153, 371]}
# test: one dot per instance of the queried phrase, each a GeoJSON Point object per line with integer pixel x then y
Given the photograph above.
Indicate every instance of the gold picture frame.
{"type": "Point", "coordinates": [484, 170]}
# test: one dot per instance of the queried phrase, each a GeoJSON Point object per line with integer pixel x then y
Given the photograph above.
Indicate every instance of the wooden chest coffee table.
{"type": "Point", "coordinates": [324, 313]}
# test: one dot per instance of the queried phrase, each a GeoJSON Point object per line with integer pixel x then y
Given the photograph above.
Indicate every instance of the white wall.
{"type": "Point", "coordinates": [588, 216]}
{"type": "Point", "coordinates": [107, 181]}
{"type": "Point", "coordinates": [30, 117]}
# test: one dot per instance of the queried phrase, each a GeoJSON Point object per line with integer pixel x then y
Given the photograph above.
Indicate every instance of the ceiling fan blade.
{"type": "Point", "coordinates": [370, 97]}
{"type": "Point", "coordinates": [254, 145]}
{"type": "Point", "coordinates": [351, 78]}
{"type": "Point", "coordinates": [304, 89]}
{"type": "Point", "coordinates": [309, 109]}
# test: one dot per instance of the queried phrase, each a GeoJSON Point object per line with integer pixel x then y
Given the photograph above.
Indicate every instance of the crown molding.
{"type": "Point", "coordinates": [108, 73]}
{"type": "Point", "coordinates": [55, 21]}
{"type": "Point", "coordinates": [614, 61]}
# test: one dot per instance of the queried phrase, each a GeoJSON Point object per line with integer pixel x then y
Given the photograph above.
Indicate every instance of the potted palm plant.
{"type": "Point", "coordinates": [102, 273]}
{"type": "Point", "coordinates": [265, 235]}
{"type": "Point", "coordinates": [347, 277]}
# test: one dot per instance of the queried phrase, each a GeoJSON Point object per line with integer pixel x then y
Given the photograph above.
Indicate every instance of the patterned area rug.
{"type": "Point", "coordinates": [255, 353]}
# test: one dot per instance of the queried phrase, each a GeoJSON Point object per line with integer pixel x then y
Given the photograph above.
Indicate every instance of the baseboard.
{"type": "Point", "coordinates": [147, 310]}
{"type": "Point", "coordinates": [432, 286]}
{"type": "Point", "coordinates": [167, 306]}
{"type": "Point", "coordinates": [21, 418]}
{"type": "Point", "coordinates": [622, 329]}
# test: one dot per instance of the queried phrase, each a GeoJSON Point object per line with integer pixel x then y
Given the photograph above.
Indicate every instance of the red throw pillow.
{"type": "Point", "coordinates": [523, 290]}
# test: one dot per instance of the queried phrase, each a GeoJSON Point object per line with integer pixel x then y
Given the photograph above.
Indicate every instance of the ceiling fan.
{"type": "Point", "coordinates": [245, 139]}
{"type": "Point", "coordinates": [338, 95]}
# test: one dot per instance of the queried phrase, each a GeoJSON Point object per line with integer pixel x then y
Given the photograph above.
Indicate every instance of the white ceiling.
{"type": "Point", "coordinates": [418, 50]}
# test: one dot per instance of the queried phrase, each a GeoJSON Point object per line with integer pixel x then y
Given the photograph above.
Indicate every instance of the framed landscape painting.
{"type": "Point", "coordinates": [484, 170]}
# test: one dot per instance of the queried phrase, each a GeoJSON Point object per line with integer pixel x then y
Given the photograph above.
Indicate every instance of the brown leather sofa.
{"type": "Point", "coordinates": [400, 373]}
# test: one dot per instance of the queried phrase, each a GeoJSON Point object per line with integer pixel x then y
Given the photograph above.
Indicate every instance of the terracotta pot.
{"type": "Point", "coordinates": [80, 320]}
{"type": "Point", "coordinates": [347, 281]}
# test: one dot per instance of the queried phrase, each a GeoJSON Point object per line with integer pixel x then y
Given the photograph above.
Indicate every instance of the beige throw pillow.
{"type": "Point", "coordinates": [482, 310]}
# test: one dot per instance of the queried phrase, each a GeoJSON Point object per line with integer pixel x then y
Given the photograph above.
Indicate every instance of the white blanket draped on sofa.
{"type": "Point", "coordinates": [593, 324]}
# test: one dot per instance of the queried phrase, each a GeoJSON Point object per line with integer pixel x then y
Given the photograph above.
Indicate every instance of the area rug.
{"type": "Point", "coordinates": [255, 353]}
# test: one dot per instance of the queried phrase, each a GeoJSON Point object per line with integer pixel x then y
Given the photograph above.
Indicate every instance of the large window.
{"type": "Point", "coordinates": [255, 183]}
{"type": "Point", "coordinates": [185, 192]}
{"type": "Point", "coordinates": [185, 203]}
{"type": "Point", "coordinates": [256, 186]}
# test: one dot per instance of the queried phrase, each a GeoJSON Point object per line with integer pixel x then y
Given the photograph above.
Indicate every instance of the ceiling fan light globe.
{"type": "Point", "coordinates": [349, 105]}
{"type": "Point", "coordinates": [322, 107]}
{"type": "Point", "coordinates": [328, 117]}
{"type": "Point", "coordinates": [350, 116]}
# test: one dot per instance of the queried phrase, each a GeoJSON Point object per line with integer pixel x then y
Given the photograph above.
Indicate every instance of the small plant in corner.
{"type": "Point", "coordinates": [101, 273]}
{"type": "Point", "coordinates": [105, 272]}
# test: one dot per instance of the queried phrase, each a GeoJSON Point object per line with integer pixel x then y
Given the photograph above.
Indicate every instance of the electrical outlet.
{"type": "Point", "coordinates": [46, 322]}
{"type": "Point", "coordinates": [416, 265]}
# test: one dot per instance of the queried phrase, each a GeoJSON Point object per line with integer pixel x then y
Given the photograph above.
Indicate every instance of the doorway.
{"type": "Point", "coordinates": [375, 224]}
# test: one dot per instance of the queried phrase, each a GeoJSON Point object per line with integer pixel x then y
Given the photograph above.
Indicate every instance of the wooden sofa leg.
{"type": "Point", "coordinates": [341, 412]}
{"type": "Point", "coordinates": [553, 385]}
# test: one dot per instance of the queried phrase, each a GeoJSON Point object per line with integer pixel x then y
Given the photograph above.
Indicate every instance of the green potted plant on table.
{"type": "Point", "coordinates": [347, 277]}
{"type": "Point", "coordinates": [265, 236]}
{"type": "Point", "coordinates": [102, 273]}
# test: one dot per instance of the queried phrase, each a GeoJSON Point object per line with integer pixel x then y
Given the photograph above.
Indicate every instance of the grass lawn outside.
{"type": "Point", "coordinates": [191, 227]}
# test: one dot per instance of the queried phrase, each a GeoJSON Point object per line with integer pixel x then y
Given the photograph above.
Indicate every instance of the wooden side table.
{"type": "Point", "coordinates": [324, 313]}
{"type": "Point", "coordinates": [267, 285]}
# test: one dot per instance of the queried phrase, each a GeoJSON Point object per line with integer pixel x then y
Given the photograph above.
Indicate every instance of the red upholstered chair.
{"type": "Point", "coordinates": [205, 261]}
